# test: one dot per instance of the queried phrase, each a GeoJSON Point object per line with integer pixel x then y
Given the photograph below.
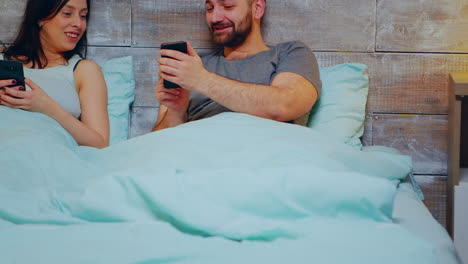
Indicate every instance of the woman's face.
{"type": "Point", "coordinates": [62, 32]}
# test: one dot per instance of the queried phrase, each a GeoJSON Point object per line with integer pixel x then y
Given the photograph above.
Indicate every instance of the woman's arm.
{"type": "Point", "coordinates": [93, 129]}
{"type": "Point", "coordinates": [92, 91]}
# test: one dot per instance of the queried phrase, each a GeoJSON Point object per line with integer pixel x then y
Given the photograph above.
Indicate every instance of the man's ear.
{"type": "Point", "coordinates": [259, 7]}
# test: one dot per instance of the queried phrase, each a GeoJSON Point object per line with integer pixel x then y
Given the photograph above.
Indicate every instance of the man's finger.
{"type": "Point", "coordinates": [168, 96]}
{"type": "Point", "coordinates": [169, 62]}
{"type": "Point", "coordinates": [167, 71]}
{"type": "Point", "coordinates": [177, 55]}
{"type": "Point", "coordinates": [191, 51]}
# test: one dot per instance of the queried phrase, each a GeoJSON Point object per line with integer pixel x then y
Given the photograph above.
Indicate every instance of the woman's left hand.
{"type": "Point", "coordinates": [35, 100]}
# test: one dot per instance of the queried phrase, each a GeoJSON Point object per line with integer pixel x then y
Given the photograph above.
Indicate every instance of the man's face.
{"type": "Point", "coordinates": [230, 21]}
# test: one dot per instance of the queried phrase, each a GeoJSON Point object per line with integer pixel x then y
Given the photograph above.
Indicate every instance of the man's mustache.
{"type": "Point", "coordinates": [221, 25]}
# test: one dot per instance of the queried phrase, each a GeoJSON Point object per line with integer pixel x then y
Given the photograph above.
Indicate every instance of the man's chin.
{"type": "Point", "coordinates": [220, 41]}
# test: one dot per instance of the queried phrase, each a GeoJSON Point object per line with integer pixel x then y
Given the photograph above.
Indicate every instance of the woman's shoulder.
{"type": "Point", "coordinates": [86, 72]}
{"type": "Point", "coordinates": [88, 66]}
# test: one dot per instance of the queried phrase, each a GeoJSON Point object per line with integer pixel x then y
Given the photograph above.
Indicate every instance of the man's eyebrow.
{"type": "Point", "coordinates": [207, 1]}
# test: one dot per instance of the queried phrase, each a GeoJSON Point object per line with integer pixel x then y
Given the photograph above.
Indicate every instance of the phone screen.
{"type": "Point", "coordinates": [12, 70]}
{"type": "Point", "coordinates": [179, 46]}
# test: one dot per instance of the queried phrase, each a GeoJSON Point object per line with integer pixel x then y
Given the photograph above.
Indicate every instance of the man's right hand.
{"type": "Point", "coordinates": [176, 99]}
{"type": "Point", "coordinates": [174, 103]}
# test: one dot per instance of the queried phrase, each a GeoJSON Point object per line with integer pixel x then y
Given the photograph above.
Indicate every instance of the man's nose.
{"type": "Point", "coordinates": [218, 15]}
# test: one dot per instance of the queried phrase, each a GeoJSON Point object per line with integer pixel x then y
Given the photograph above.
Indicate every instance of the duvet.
{"type": "Point", "coordinates": [228, 189]}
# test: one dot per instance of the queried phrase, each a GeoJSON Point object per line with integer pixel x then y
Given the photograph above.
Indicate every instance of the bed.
{"type": "Point", "coordinates": [228, 189]}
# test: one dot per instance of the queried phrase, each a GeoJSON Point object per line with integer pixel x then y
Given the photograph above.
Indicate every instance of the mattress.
{"type": "Point", "coordinates": [411, 213]}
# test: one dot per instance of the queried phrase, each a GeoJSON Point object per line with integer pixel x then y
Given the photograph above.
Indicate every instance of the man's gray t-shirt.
{"type": "Point", "coordinates": [294, 57]}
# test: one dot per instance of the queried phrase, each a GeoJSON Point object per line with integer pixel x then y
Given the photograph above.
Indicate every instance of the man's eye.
{"type": "Point", "coordinates": [209, 8]}
{"type": "Point", "coordinates": [228, 6]}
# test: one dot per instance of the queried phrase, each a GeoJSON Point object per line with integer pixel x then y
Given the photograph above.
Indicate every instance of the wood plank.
{"type": "Point", "coordinates": [142, 120]}
{"type": "Point", "coordinates": [435, 194]}
{"type": "Point", "coordinates": [423, 137]}
{"type": "Point", "coordinates": [366, 138]}
{"type": "Point", "coordinates": [158, 21]}
{"type": "Point", "coordinates": [332, 25]}
{"type": "Point", "coordinates": [422, 26]}
{"type": "Point", "coordinates": [325, 25]}
{"type": "Point", "coordinates": [110, 21]}
{"type": "Point", "coordinates": [11, 12]}
{"type": "Point", "coordinates": [404, 83]}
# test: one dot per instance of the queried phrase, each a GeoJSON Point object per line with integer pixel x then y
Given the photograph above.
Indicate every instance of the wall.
{"type": "Point", "coordinates": [409, 46]}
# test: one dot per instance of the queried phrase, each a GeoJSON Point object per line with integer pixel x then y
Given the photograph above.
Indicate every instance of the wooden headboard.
{"type": "Point", "coordinates": [409, 46]}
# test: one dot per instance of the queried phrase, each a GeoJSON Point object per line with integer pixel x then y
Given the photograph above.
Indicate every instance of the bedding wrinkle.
{"type": "Point", "coordinates": [209, 188]}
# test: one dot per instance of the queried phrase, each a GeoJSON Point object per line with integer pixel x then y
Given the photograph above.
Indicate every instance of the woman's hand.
{"type": "Point", "coordinates": [4, 84]}
{"type": "Point", "coordinates": [35, 100]}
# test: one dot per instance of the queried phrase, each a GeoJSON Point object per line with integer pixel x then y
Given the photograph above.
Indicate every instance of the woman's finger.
{"type": "Point", "coordinates": [14, 91]}
{"type": "Point", "coordinates": [9, 82]}
{"type": "Point", "coordinates": [31, 84]}
{"type": "Point", "coordinates": [11, 101]}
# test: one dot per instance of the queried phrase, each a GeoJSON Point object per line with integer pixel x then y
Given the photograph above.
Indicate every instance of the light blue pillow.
{"type": "Point", "coordinates": [341, 109]}
{"type": "Point", "coordinates": [120, 81]}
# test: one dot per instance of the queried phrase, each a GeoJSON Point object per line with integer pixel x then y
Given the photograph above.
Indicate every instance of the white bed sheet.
{"type": "Point", "coordinates": [411, 213]}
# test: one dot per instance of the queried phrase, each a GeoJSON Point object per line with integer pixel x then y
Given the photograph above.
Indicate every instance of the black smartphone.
{"type": "Point", "coordinates": [179, 46]}
{"type": "Point", "coordinates": [12, 70]}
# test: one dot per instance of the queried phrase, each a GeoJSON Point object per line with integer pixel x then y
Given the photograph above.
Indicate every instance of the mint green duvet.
{"type": "Point", "coordinates": [229, 189]}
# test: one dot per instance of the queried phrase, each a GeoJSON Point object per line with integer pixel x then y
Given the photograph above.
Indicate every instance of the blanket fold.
{"type": "Point", "coordinates": [233, 175]}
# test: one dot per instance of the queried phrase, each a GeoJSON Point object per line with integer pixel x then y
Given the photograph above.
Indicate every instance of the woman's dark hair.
{"type": "Point", "coordinates": [27, 45]}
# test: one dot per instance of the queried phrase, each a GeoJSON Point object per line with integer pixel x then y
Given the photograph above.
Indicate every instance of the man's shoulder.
{"type": "Point", "coordinates": [291, 45]}
{"type": "Point", "coordinates": [210, 56]}
{"type": "Point", "coordinates": [210, 53]}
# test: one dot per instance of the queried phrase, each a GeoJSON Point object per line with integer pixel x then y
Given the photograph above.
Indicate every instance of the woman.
{"type": "Point", "coordinates": [50, 44]}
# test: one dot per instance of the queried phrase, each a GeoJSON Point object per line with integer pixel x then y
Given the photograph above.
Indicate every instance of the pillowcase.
{"type": "Point", "coordinates": [340, 110]}
{"type": "Point", "coordinates": [120, 80]}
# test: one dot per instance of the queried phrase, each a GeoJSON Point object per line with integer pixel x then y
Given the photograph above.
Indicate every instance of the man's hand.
{"type": "Point", "coordinates": [173, 108]}
{"type": "Point", "coordinates": [176, 99]}
{"type": "Point", "coordinates": [186, 70]}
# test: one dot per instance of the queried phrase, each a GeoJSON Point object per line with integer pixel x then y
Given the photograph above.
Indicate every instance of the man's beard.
{"type": "Point", "coordinates": [237, 36]}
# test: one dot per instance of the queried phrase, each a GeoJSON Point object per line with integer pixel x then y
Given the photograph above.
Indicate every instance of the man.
{"type": "Point", "coordinates": [279, 82]}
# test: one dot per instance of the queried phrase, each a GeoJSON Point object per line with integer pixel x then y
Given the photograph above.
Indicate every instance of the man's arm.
{"type": "Point", "coordinates": [288, 97]}
{"type": "Point", "coordinates": [168, 118]}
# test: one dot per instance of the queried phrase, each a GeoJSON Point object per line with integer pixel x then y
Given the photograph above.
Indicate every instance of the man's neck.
{"type": "Point", "coordinates": [252, 45]}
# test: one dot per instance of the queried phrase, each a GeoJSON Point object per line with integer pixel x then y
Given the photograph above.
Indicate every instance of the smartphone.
{"type": "Point", "coordinates": [179, 46]}
{"type": "Point", "coordinates": [12, 70]}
